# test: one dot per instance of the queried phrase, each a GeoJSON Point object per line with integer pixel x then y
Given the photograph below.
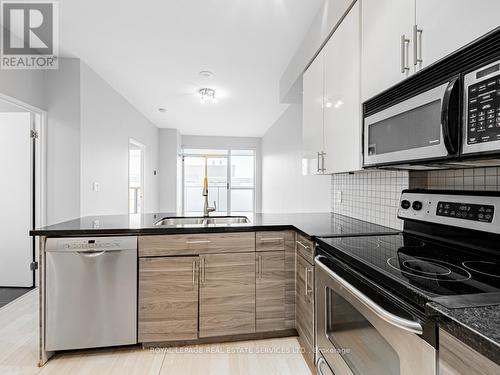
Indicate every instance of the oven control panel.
{"type": "Point", "coordinates": [459, 209]}
{"type": "Point", "coordinates": [466, 211]}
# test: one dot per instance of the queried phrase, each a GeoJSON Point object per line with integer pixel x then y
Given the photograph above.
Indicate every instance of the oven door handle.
{"type": "Point", "coordinates": [450, 116]}
{"type": "Point", "coordinates": [405, 324]}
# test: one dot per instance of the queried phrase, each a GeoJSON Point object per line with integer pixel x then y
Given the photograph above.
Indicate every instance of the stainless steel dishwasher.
{"type": "Point", "coordinates": [91, 294]}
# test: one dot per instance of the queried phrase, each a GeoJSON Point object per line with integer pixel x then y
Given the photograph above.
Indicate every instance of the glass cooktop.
{"type": "Point", "coordinates": [433, 269]}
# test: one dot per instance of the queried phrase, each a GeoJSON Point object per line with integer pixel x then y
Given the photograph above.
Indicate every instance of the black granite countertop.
{"type": "Point", "coordinates": [478, 327]}
{"type": "Point", "coordinates": [309, 224]}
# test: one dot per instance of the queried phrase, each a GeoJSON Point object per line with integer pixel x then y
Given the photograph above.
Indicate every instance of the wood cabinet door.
{"type": "Point", "coordinates": [227, 294]}
{"type": "Point", "coordinates": [304, 300]}
{"type": "Point", "coordinates": [448, 25]}
{"type": "Point", "coordinates": [270, 291]}
{"type": "Point", "coordinates": [168, 299]}
{"type": "Point", "coordinates": [312, 115]}
{"type": "Point", "coordinates": [342, 110]}
{"type": "Point", "coordinates": [383, 22]}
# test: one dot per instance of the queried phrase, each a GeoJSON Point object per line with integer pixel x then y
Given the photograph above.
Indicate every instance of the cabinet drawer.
{"type": "Point", "coordinates": [191, 244]}
{"type": "Point", "coordinates": [305, 248]}
{"type": "Point", "coordinates": [270, 241]}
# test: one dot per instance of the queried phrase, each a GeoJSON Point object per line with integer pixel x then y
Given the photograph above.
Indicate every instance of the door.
{"type": "Point", "coordinates": [168, 299]}
{"type": "Point", "coordinates": [448, 25]}
{"type": "Point", "coordinates": [135, 177]}
{"type": "Point", "coordinates": [342, 97]}
{"type": "Point", "coordinates": [312, 116]}
{"type": "Point", "coordinates": [227, 294]}
{"type": "Point", "coordinates": [386, 32]}
{"type": "Point", "coordinates": [16, 198]}
{"type": "Point", "coordinates": [270, 291]}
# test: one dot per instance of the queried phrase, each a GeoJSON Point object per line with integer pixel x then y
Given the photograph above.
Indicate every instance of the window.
{"type": "Point", "coordinates": [231, 180]}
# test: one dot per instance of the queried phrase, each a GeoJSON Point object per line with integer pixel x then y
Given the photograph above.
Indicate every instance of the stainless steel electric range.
{"type": "Point", "coordinates": [371, 291]}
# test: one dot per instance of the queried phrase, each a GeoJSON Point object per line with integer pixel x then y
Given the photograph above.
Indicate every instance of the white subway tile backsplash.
{"type": "Point", "coordinates": [371, 195]}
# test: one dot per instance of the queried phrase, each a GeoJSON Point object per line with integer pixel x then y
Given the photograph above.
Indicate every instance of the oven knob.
{"type": "Point", "coordinates": [417, 205]}
{"type": "Point", "coordinates": [405, 204]}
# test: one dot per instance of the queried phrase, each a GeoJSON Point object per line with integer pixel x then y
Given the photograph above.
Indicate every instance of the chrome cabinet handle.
{"type": "Point", "coordinates": [301, 244]}
{"type": "Point", "coordinates": [417, 45]}
{"type": "Point", "coordinates": [404, 43]}
{"type": "Point", "coordinates": [317, 168]}
{"type": "Point", "coordinates": [307, 271]}
{"type": "Point", "coordinates": [197, 241]}
{"type": "Point", "coordinates": [305, 281]}
{"type": "Point", "coordinates": [202, 270]}
{"type": "Point", "coordinates": [397, 321]}
{"type": "Point", "coordinates": [323, 154]}
{"type": "Point", "coordinates": [271, 239]}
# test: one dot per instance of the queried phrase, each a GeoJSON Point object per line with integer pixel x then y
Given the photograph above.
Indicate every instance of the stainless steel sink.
{"type": "Point", "coordinates": [181, 221]}
{"type": "Point", "coordinates": [221, 220]}
{"type": "Point", "coordinates": [227, 220]}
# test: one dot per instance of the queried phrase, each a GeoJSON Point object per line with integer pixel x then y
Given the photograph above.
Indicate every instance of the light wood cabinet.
{"type": "Point", "coordinates": [192, 244]}
{"type": "Point", "coordinates": [269, 241]}
{"type": "Point", "coordinates": [304, 304]}
{"type": "Point", "coordinates": [270, 291]}
{"type": "Point", "coordinates": [168, 299]}
{"type": "Point", "coordinates": [456, 358]}
{"type": "Point", "coordinates": [342, 109]}
{"type": "Point", "coordinates": [447, 25]}
{"type": "Point", "coordinates": [227, 294]}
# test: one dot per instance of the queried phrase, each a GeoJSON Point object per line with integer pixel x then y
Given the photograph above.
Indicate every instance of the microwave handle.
{"type": "Point", "coordinates": [450, 116]}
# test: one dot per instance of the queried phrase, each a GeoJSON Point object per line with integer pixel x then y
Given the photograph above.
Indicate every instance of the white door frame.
{"type": "Point", "coordinates": [132, 141]}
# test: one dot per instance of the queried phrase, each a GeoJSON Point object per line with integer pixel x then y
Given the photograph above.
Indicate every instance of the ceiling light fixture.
{"type": "Point", "coordinates": [162, 110]}
{"type": "Point", "coordinates": [207, 95]}
{"type": "Point", "coordinates": [206, 74]}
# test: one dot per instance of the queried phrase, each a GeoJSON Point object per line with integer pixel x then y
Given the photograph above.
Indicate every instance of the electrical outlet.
{"type": "Point", "coordinates": [95, 186]}
{"type": "Point", "coordinates": [338, 197]}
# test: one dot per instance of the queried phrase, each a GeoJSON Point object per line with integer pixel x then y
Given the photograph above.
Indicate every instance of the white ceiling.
{"type": "Point", "coordinates": [152, 50]}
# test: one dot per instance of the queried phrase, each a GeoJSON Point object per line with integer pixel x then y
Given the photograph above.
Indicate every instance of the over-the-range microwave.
{"type": "Point", "coordinates": [447, 115]}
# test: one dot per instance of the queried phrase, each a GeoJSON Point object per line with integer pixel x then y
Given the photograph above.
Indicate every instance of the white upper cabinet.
{"type": "Point", "coordinates": [312, 116]}
{"type": "Point", "coordinates": [387, 50]}
{"type": "Point", "coordinates": [342, 105]}
{"type": "Point", "coordinates": [447, 25]}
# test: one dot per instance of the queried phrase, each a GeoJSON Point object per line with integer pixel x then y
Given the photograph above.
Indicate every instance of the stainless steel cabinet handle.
{"type": "Point", "coordinates": [194, 272]}
{"type": "Point", "coordinates": [417, 45]}
{"type": "Point", "coordinates": [404, 43]}
{"type": "Point", "coordinates": [306, 275]}
{"type": "Point", "coordinates": [261, 265]}
{"type": "Point", "coordinates": [318, 168]}
{"type": "Point", "coordinates": [197, 241]}
{"type": "Point", "coordinates": [301, 244]}
{"type": "Point", "coordinates": [271, 239]}
{"type": "Point", "coordinates": [323, 154]}
{"type": "Point", "coordinates": [305, 281]}
{"type": "Point", "coordinates": [202, 270]}
{"type": "Point", "coordinates": [397, 321]}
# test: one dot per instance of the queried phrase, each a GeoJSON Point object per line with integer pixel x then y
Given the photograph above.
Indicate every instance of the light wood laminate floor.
{"type": "Point", "coordinates": [18, 338]}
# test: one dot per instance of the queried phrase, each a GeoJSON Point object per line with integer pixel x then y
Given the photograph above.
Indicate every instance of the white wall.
{"type": "Point", "coordinates": [107, 123]}
{"type": "Point", "coordinates": [62, 102]}
{"type": "Point", "coordinates": [284, 189]}
{"type": "Point", "coordinates": [321, 28]}
{"type": "Point", "coordinates": [244, 143]}
{"type": "Point", "coordinates": [169, 151]}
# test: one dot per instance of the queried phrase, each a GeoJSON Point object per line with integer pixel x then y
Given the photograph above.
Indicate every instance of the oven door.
{"type": "Point", "coordinates": [423, 128]}
{"type": "Point", "coordinates": [362, 335]}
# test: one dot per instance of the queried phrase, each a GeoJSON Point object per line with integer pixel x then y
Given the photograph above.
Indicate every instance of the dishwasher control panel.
{"type": "Point", "coordinates": [92, 243]}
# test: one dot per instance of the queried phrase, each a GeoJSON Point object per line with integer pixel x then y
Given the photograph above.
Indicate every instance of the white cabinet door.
{"type": "Point", "coordinates": [448, 25]}
{"type": "Point", "coordinates": [384, 22]}
{"type": "Point", "coordinates": [342, 97]}
{"type": "Point", "coordinates": [312, 116]}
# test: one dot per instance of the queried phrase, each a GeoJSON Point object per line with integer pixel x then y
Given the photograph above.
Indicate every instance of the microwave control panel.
{"type": "Point", "coordinates": [483, 106]}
